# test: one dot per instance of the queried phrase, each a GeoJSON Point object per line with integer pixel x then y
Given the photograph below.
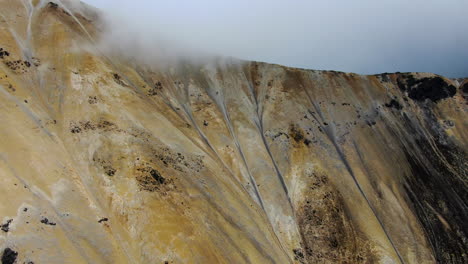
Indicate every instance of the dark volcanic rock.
{"type": "Point", "coordinates": [6, 227]}
{"type": "Point", "coordinates": [3, 53]}
{"type": "Point", "coordinates": [53, 5]}
{"type": "Point", "coordinates": [437, 190]}
{"type": "Point", "coordinates": [432, 88]}
{"type": "Point", "coordinates": [394, 104]}
{"type": "Point", "coordinates": [464, 89]}
{"type": "Point", "coordinates": [46, 221]}
{"type": "Point", "coordinates": [9, 256]}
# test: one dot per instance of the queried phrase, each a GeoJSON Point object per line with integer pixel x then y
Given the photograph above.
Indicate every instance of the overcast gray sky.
{"type": "Point", "coordinates": [362, 36]}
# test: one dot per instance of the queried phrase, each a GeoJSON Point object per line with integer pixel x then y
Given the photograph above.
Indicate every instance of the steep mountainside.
{"type": "Point", "coordinates": [103, 160]}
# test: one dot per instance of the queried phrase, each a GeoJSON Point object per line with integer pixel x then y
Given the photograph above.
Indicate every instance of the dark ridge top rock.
{"type": "Point", "coordinates": [432, 88]}
{"type": "Point", "coordinates": [464, 89]}
{"type": "Point", "coordinates": [9, 256]}
{"type": "Point", "coordinates": [385, 77]}
{"type": "Point", "coordinates": [53, 5]}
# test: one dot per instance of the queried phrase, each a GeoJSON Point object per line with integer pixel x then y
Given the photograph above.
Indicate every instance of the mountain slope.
{"type": "Point", "coordinates": [103, 160]}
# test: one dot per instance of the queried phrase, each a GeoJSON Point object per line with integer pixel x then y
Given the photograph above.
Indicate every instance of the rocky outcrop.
{"type": "Point", "coordinates": [106, 161]}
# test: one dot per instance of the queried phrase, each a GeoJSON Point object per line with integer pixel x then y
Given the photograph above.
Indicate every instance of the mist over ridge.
{"type": "Point", "coordinates": [362, 36]}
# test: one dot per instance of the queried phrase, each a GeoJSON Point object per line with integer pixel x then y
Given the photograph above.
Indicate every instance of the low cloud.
{"type": "Point", "coordinates": [356, 36]}
{"type": "Point", "coordinates": [144, 44]}
{"type": "Point", "coordinates": [132, 38]}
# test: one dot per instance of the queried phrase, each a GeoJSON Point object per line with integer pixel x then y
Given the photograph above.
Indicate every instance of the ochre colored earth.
{"type": "Point", "coordinates": [103, 160]}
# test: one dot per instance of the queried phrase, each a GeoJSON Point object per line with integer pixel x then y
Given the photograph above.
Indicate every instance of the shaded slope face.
{"type": "Point", "coordinates": [103, 160]}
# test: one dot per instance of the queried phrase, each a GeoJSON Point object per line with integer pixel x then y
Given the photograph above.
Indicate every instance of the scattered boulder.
{"type": "Point", "coordinates": [109, 170]}
{"type": "Point", "coordinates": [149, 179]}
{"type": "Point", "coordinates": [296, 133]}
{"type": "Point", "coordinates": [3, 53]}
{"type": "Point", "coordinates": [92, 100]}
{"type": "Point", "coordinates": [6, 227]}
{"type": "Point", "coordinates": [394, 104]}
{"type": "Point", "coordinates": [9, 256]}
{"type": "Point", "coordinates": [105, 219]}
{"type": "Point", "coordinates": [118, 79]}
{"type": "Point", "coordinates": [298, 255]}
{"type": "Point", "coordinates": [46, 221]}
